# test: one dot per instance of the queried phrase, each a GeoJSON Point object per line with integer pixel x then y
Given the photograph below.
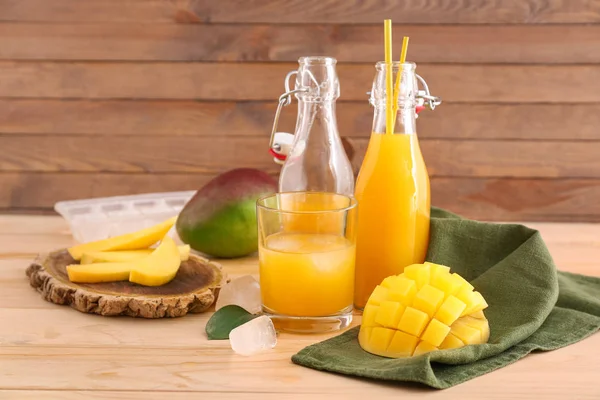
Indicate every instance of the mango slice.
{"type": "Point", "coordinates": [126, 255]}
{"type": "Point", "coordinates": [156, 269]}
{"type": "Point", "coordinates": [95, 273]}
{"type": "Point", "coordinates": [130, 241]}
{"type": "Point", "coordinates": [424, 309]}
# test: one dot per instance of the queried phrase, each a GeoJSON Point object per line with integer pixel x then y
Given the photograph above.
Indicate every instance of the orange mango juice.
{"type": "Point", "coordinates": [306, 274]}
{"type": "Point", "coordinates": [319, 222]}
{"type": "Point", "coordinates": [393, 211]}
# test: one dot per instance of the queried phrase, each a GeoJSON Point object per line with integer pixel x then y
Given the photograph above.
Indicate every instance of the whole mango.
{"type": "Point", "coordinates": [220, 220]}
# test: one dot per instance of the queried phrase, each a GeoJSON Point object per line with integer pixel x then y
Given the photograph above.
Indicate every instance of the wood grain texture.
{"type": "Point", "coordinates": [303, 11]}
{"type": "Point", "coordinates": [89, 10]}
{"type": "Point", "coordinates": [91, 89]}
{"type": "Point", "coordinates": [161, 395]}
{"type": "Point", "coordinates": [149, 118]}
{"type": "Point", "coordinates": [30, 225]}
{"type": "Point", "coordinates": [156, 395]}
{"type": "Point", "coordinates": [215, 154]}
{"type": "Point", "coordinates": [25, 190]}
{"type": "Point", "coordinates": [213, 368]}
{"type": "Point", "coordinates": [206, 370]}
{"type": "Point", "coordinates": [494, 199]}
{"type": "Point", "coordinates": [510, 199]}
{"type": "Point", "coordinates": [348, 43]}
{"type": "Point", "coordinates": [87, 357]}
{"type": "Point", "coordinates": [374, 11]}
{"type": "Point", "coordinates": [131, 154]}
{"type": "Point", "coordinates": [225, 118]}
{"type": "Point", "coordinates": [262, 81]}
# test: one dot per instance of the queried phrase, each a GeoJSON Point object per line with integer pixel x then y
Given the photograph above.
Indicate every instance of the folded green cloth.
{"type": "Point", "coordinates": [531, 307]}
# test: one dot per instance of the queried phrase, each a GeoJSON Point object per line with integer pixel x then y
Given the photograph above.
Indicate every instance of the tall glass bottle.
{"type": "Point", "coordinates": [316, 161]}
{"type": "Point", "coordinates": [392, 189]}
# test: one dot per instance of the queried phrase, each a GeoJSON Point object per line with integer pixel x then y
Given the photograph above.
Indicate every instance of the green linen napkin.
{"type": "Point", "coordinates": [531, 307]}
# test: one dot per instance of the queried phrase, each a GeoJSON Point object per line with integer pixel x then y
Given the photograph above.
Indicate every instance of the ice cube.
{"type": "Point", "coordinates": [253, 336]}
{"type": "Point", "coordinates": [243, 292]}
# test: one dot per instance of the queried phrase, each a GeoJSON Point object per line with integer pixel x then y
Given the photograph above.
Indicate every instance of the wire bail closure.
{"type": "Point", "coordinates": [281, 141]}
{"type": "Point", "coordinates": [425, 94]}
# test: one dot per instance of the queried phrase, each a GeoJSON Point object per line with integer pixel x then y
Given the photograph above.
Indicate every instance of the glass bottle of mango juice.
{"type": "Point", "coordinates": [392, 190]}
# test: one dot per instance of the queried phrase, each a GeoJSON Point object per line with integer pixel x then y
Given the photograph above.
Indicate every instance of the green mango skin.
{"type": "Point", "coordinates": [230, 233]}
{"type": "Point", "coordinates": [220, 220]}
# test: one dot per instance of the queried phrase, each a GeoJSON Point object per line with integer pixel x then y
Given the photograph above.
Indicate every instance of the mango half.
{"type": "Point", "coordinates": [426, 308]}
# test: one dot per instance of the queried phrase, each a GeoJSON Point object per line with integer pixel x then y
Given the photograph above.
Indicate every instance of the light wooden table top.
{"type": "Point", "coordinates": [54, 352]}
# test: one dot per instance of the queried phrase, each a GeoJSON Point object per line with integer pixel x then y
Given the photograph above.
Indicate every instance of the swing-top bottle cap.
{"type": "Point", "coordinates": [407, 86]}
{"type": "Point", "coordinates": [316, 81]}
{"type": "Point", "coordinates": [410, 94]}
{"type": "Point", "coordinates": [317, 74]}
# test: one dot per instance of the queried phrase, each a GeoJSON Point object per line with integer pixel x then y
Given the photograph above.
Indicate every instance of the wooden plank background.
{"type": "Point", "coordinates": [109, 97]}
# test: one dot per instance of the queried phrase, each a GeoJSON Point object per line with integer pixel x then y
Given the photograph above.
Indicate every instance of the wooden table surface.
{"type": "Point", "coordinates": [53, 352]}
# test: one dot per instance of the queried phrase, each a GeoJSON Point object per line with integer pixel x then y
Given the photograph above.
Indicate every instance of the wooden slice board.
{"type": "Point", "coordinates": [194, 289]}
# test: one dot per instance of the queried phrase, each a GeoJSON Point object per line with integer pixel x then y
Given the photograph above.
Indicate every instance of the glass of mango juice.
{"type": "Point", "coordinates": [307, 244]}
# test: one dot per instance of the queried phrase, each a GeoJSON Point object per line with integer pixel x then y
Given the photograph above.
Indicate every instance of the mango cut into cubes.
{"type": "Point", "coordinates": [450, 310]}
{"type": "Point", "coordinates": [404, 290]}
{"type": "Point", "coordinates": [424, 309]}
{"type": "Point", "coordinates": [380, 338]}
{"type": "Point", "coordinates": [423, 348]}
{"type": "Point", "coordinates": [451, 342]}
{"type": "Point", "coordinates": [434, 268]}
{"type": "Point", "coordinates": [435, 333]}
{"type": "Point", "coordinates": [402, 345]}
{"type": "Point", "coordinates": [389, 314]}
{"type": "Point", "coordinates": [420, 273]}
{"type": "Point", "coordinates": [480, 324]}
{"type": "Point", "coordinates": [413, 321]}
{"type": "Point", "coordinates": [428, 299]}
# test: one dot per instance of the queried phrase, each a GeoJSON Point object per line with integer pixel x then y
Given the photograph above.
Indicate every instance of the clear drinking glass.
{"type": "Point", "coordinates": [307, 243]}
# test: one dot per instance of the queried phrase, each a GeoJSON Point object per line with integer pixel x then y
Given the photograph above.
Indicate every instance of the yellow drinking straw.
{"type": "Point", "coordinates": [398, 78]}
{"type": "Point", "coordinates": [389, 116]}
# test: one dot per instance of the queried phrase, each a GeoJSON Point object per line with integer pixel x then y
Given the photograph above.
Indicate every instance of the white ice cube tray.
{"type": "Point", "coordinates": [100, 218]}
